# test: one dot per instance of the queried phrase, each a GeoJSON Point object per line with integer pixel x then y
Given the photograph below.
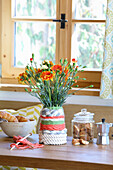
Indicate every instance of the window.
{"type": "Point", "coordinates": [88, 31]}
{"type": "Point", "coordinates": [30, 30]}
{"type": "Point", "coordinates": [28, 27]}
{"type": "Point", "coordinates": [35, 34]}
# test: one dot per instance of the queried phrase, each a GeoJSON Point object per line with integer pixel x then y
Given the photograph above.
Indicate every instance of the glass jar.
{"type": "Point", "coordinates": [83, 126]}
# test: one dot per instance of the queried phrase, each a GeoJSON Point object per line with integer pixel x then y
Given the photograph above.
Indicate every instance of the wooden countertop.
{"type": "Point", "coordinates": [84, 157]}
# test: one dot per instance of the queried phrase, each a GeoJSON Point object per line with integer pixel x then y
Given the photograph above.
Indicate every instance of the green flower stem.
{"type": "Point", "coordinates": [55, 91]}
{"type": "Point", "coordinates": [27, 84]}
{"type": "Point", "coordinates": [48, 82]}
{"type": "Point", "coordinates": [32, 85]}
{"type": "Point", "coordinates": [33, 78]}
{"type": "Point", "coordinates": [44, 92]}
{"type": "Point", "coordinates": [68, 83]}
{"type": "Point", "coordinates": [34, 93]}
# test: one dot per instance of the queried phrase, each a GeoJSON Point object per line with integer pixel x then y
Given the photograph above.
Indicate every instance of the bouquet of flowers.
{"type": "Point", "coordinates": [51, 82]}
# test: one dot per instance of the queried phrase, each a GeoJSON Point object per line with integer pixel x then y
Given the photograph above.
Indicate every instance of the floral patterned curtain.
{"type": "Point", "coordinates": [107, 72]}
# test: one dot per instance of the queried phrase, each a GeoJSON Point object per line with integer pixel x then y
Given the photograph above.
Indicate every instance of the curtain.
{"type": "Point", "coordinates": [106, 91]}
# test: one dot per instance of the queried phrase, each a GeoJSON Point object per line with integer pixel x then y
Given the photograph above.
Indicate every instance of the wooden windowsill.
{"type": "Point", "coordinates": [21, 88]}
{"type": "Point", "coordinates": [74, 99]}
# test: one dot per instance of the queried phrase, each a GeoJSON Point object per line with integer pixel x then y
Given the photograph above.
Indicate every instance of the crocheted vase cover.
{"type": "Point", "coordinates": [52, 126]}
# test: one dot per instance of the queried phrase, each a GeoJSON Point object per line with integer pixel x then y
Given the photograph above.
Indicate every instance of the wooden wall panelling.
{"type": "Point", "coordinates": [0, 31]}
{"type": "Point", "coordinates": [69, 110]}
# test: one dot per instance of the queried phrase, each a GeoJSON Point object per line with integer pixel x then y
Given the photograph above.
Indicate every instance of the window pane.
{"type": "Point", "coordinates": [89, 9]}
{"type": "Point", "coordinates": [34, 37]}
{"type": "Point", "coordinates": [87, 44]}
{"type": "Point", "coordinates": [36, 8]}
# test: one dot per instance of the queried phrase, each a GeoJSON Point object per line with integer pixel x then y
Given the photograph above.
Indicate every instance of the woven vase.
{"type": "Point", "coordinates": [52, 126]}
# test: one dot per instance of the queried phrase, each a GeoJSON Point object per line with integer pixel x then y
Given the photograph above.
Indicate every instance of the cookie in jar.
{"type": "Point", "coordinates": [83, 126]}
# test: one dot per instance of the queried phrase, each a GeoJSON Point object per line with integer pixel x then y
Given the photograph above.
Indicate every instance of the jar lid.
{"type": "Point", "coordinates": [84, 116]}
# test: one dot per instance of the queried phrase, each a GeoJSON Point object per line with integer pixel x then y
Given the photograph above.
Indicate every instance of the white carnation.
{"type": "Point", "coordinates": [43, 67]}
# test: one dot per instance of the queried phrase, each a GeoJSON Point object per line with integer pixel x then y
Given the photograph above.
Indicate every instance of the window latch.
{"type": "Point", "coordinates": [62, 20]}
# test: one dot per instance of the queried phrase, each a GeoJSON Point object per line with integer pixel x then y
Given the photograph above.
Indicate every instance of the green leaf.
{"type": "Point", "coordinates": [91, 86]}
{"type": "Point", "coordinates": [76, 86]}
{"type": "Point", "coordinates": [82, 79]}
{"type": "Point", "coordinates": [19, 63]}
{"type": "Point", "coordinates": [29, 32]}
{"type": "Point", "coordinates": [61, 61]}
{"type": "Point", "coordinates": [41, 6]}
{"type": "Point", "coordinates": [84, 67]}
{"type": "Point", "coordinates": [76, 78]}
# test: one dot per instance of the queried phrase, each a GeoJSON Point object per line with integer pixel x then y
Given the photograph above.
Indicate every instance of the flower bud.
{"type": "Point", "coordinates": [65, 61]}
{"type": "Point", "coordinates": [31, 60]}
{"type": "Point", "coordinates": [27, 67]}
{"type": "Point", "coordinates": [31, 68]}
{"type": "Point", "coordinates": [27, 71]}
{"type": "Point", "coordinates": [74, 60]}
{"type": "Point", "coordinates": [33, 56]}
{"type": "Point", "coordinates": [26, 89]}
{"type": "Point", "coordinates": [61, 60]}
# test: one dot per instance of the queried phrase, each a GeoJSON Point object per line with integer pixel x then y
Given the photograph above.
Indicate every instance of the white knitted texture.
{"type": "Point", "coordinates": [52, 139]}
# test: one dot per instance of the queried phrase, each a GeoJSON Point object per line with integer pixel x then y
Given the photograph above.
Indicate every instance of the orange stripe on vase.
{"type": "Point", "coordinates": [52, 127]}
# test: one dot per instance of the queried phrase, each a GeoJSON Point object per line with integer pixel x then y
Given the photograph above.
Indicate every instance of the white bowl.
{"type": "Point", "coordinates": [18, 128]}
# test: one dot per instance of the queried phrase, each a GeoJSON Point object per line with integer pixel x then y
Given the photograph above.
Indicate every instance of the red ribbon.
{"type": "Point", "coordinates": [25, 144]}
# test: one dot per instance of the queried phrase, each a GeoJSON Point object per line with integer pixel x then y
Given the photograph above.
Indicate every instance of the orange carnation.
{"type": "Point", "coordinates": [66, 73]}
{"type": "Point", "coordinates": [51, 63]}
{"type": "Point", "coordinates": [57, 67]}
{"type": "Point", "coordinates": [66, 70]}
{"type": "Point", "coordinates": [39, 71]}
{"type": "Point", "coordinates": [46, 75]}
